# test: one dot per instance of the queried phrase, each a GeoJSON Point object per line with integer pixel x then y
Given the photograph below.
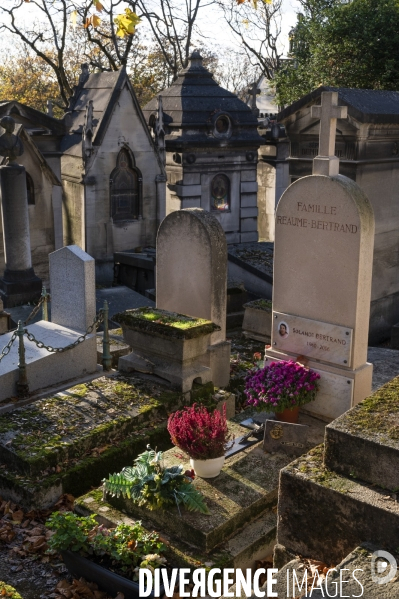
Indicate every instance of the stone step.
{"type": "Point", "coordinates": [245, 489]}
{"type": "Point", "coordinates": [324, 515]}
{"type": "Point", "coordinates": [364, 442]}
{"type": "Point", "coordinates": [254, 541]}
{"type": "Point", "coordinates": [67, 425]}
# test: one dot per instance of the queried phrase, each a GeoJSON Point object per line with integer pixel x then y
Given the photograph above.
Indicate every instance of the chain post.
{"type": "Point", "coordinates": [107, 358]}
{"type": "Point", "coordinates": [44, 304]}
{"type": "Point", "coordinates": [22, 384]}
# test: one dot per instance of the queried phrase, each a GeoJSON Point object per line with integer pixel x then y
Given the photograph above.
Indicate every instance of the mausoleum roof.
{"type": "Point", "coordinates": [193, 103]}
{"type": "Point", "coordinates": [364, 105]}
{"type": "Point", "coordinates": [34, 121]}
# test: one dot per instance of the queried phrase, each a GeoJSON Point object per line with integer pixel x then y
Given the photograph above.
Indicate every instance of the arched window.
{"type": "Point", "coordinates": [30, 190]}
{"type": "Point", "coordinates": [220, 193]}
{"type": "Point", "coordinates": [126, 188]}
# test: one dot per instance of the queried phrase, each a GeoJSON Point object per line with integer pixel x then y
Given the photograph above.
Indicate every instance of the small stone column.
{"type": "Point", "coordinates": [19, 284]}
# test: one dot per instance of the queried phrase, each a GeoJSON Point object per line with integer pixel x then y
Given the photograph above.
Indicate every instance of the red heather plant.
{"type": "Point", "coordinates": [203, 435]}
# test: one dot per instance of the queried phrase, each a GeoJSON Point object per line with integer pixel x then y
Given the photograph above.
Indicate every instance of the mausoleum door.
{"type": "Point", "coordinates": [125, 189]}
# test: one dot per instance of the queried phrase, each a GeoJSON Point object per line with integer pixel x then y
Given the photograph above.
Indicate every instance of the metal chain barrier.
{"type": "Point", "coordinates": [22, 383]}
{"type": "Point", "coordinates": [44, 298]}
{"type": "Point", "coordinates": [99, 318]}
{"type": "Point", "coordinates": [6, 349]}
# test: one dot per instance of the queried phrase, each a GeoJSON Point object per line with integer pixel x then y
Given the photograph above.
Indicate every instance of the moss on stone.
{"type": "Point", "coordinates": [162, 322]}
{"type": "Point", "coordinates": [260, 304]}
{"type": "Point", "coordinates": [378, 414]}
{"type": "Point", "coordinates": [312, 466]}
{"type": "Point", "coordinates": [8, 592]}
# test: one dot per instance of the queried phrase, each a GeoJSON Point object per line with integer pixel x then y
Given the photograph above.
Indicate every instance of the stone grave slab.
{"type": "Point", "coordinates": [45, 369]}
{"type": "Point", "coordinates": [253, 542]}
{"type": "Point", "coordinates": [332, 513]}
{"type": "Point", "coordinates": [285, 437]}
{"type": "Point", "coordinates": [246, 487]}
{"type": "Point", "coordinates": [364, 442]}
{"type": "Point", "coordinates": [68, 442]}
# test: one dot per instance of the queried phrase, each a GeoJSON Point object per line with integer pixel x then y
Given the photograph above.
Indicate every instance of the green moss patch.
{"type": "Point", "coordinates": [8, 592]}
{"type": "Point", "coordinates": [312, 466]}
{"type": "Point", "coordinates": [377, 415]}
{"type": "Point", "coordinates": [165, 323]}
{"type": "Point", "coordinates": [260, 304]}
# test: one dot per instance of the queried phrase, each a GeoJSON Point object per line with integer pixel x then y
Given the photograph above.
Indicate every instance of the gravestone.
{"type": "Point", "coordinates": [322, 276]}
{"type": "Point", "coordinates": [73, 290]}
{"type": "Point", "coordinates": [73, 308]}
{"type": "Point", "coordinates": [19, 284]}
{"type": "Point", "coordinates": [191, 277]}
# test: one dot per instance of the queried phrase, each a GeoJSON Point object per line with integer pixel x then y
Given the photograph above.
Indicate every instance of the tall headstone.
{"type": "Point", "coordinates": [191, 277]}
{"type": "Point", "coordinates": [72, 286]}
{"type": "Point", "coordinates": [19, 284]}
{"type": "Point", "coordinates": [322, 276]}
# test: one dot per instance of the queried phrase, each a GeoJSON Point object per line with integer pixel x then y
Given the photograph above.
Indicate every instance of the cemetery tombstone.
{"type": "Point", "coordinates": [322, 275]}
{"type": "Point", "coordinates": [73, 289]}
{"type": "Point", "coordinates": [191, 277]}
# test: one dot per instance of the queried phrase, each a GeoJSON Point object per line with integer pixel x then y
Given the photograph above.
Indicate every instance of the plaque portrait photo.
{"type": "Point", "coordinates": [283, 330]}
{"type": "Point", "coordinates": [220, 193]}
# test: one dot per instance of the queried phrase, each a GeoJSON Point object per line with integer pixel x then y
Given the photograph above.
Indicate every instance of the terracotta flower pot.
{"type": "Point", "coordinates": [288, 415]}
{"type": "Point", "coordinates": [207, 468]}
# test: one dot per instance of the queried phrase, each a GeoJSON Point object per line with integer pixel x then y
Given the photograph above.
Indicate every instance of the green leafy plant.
{"type": "Point", "coordinates": [127, 547]}
{"type": "Point", "coordinates": [150, 484]}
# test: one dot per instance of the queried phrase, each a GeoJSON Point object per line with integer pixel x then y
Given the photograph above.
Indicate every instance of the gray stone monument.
{"type": "Point", "coordinates": [19, 284]}
{"type": "Point", "coordinates": [73, 289]}
{"type": "Point", "coordinates": [322, 276]}
{"type": "Point", "coordinates": [191, 277]}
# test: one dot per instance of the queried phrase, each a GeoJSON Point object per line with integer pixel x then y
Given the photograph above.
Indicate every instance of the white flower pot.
{"type": "Point", "coordinates": [207, 468]}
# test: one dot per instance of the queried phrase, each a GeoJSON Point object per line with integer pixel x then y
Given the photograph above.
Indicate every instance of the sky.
{"type": "Point", "coordinates": [210, 22]}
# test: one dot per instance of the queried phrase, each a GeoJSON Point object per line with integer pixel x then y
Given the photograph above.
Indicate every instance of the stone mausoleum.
{"type": "Point", "coordinates": [210, 142]}
{"type": "Point", "coordinates": [94, 178]}
{"type": "Point", "coordinates": [367, 145]}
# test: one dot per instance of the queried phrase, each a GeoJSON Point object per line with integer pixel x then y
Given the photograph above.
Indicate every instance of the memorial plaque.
{"type": "Point", "coordinates": [285, 437]}
{"type": "Point", "coordinates": [312, 338]}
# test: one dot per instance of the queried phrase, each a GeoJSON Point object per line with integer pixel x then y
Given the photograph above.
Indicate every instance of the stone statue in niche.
{"type": "Point", "coordinates": [10, 145]}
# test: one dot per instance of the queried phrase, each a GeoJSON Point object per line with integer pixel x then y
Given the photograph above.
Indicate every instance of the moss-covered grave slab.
{"type": "Point", "coordinates": [67, 425]}
{"type": "Point", "coordinates": [245, 489]}
{"type": "Point", "coordinates": [324, 515]}
{"type": "Point", "coordinates": [364, 442]}
{"type": "Point", "coordinates": [67, 443]}
{"type": "Point", "coordinates": [253, 542]}
{"type": "Point", "coordinates": [165, 323]}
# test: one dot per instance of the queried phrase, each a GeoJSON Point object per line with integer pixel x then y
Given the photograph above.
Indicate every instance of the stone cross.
{"type": "Point", "coordinates": [326, 163]}
{"type": "Point", "coordinates": [253, 92]}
